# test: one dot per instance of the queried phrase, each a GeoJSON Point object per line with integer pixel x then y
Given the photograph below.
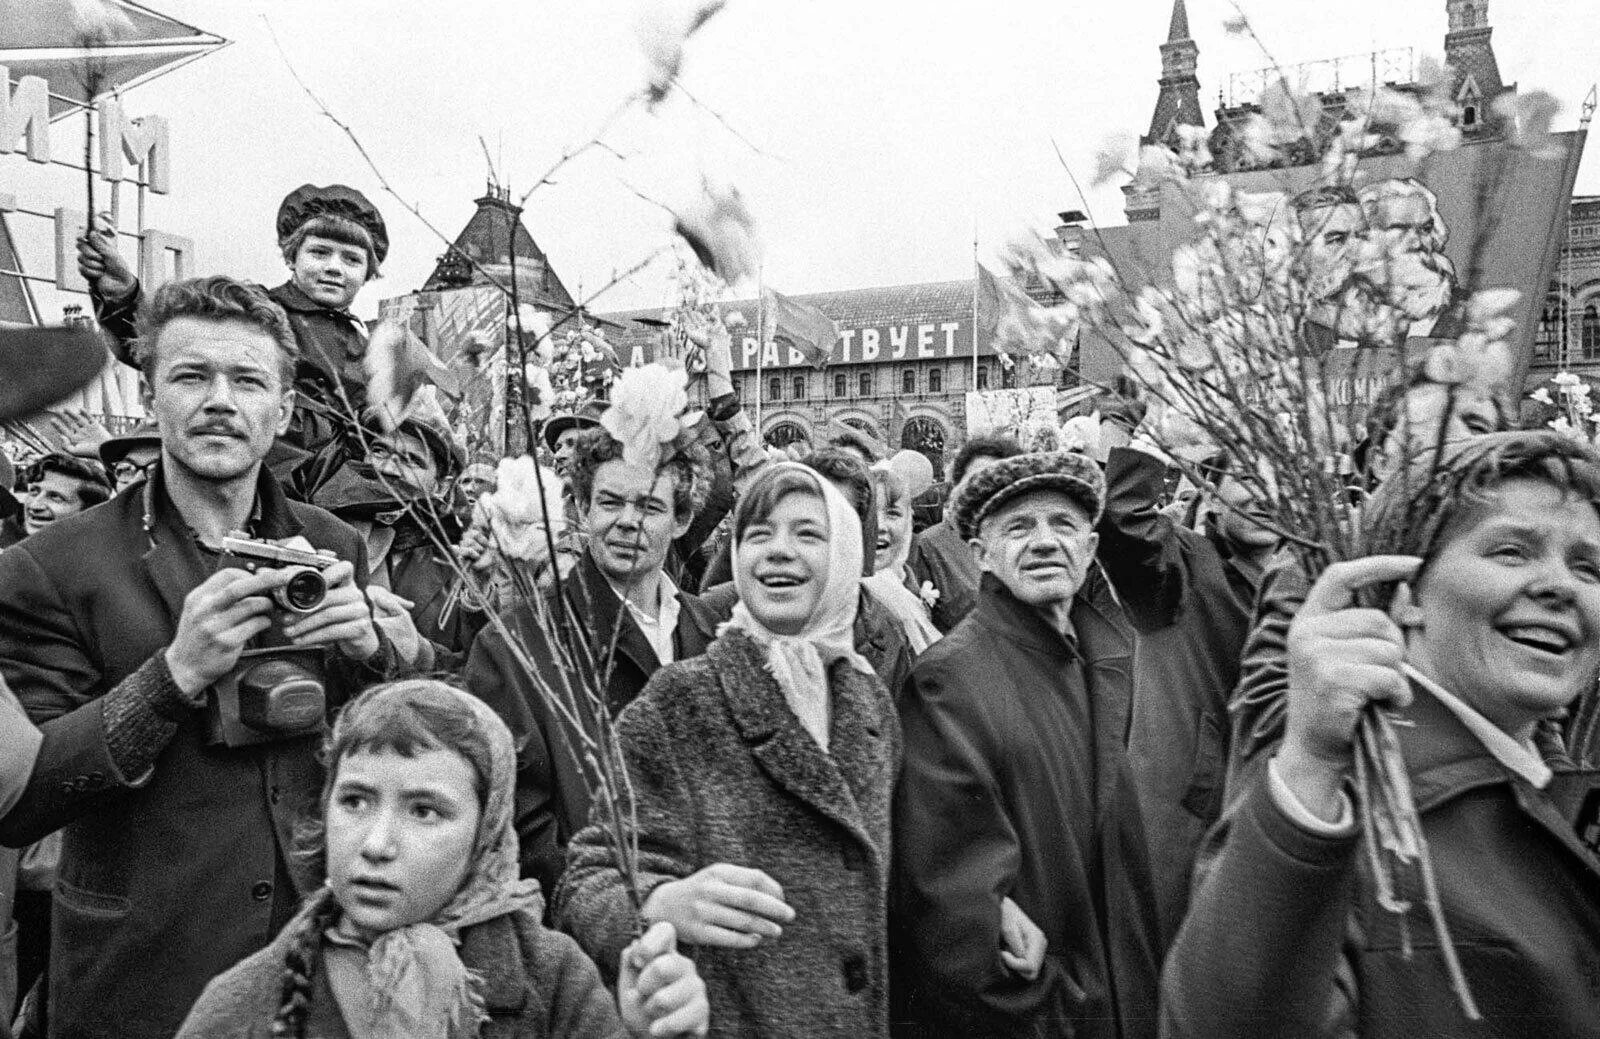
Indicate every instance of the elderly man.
{"type": "Point", "coordinates": [1022, 899]}
{"type": "Point", "coordinates": [178, 779]}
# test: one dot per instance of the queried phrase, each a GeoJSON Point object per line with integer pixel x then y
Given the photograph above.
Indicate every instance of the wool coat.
{"type": "Point", "coordinates": [552, 801]}
{"type": "Point", "coordinates": [1285, 936]}
{"type": "Point", "coordinates": [940, 557]}
{"type": "Point", "coordinates": [996, 800]}
{"type": "Point", "coordinates": [169, 877]}
{"type": "Point", "coordinates": [724, 772]}
{"type": "Point", "coordinates": [1189, 597]}
{"type": "Point", "coordinates": [536, 985]}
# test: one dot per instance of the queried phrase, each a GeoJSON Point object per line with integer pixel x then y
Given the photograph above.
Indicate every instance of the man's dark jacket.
{"type": "Point", "coordinates": [987, 808]}
{"type": "Point", "coordinates": [941, 558]}
{"type": "Point", "coordinates": [552, 799]}
{"type": "Point", "coordinates": [168, 877]}
{"type": "Point", "coordinates": [1189, 598]}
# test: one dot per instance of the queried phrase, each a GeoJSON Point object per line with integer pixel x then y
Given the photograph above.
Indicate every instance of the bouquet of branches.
{"type": "Point", "coordinates": [1242, 352]}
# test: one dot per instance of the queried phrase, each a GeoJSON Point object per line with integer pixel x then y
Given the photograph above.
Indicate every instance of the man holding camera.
{"type": "Point", "coordinates": [179, 751]}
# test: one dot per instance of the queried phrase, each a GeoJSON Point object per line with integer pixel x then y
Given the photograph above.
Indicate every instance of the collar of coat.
{"type": "Point", "coordinates": [269, 513]}
{"type": "Point", "coordinates": [291, 297]}
{"type": "Point", "coordinates": [598, 610]}
{"type": "Point", "coordinates": [1100, 634]}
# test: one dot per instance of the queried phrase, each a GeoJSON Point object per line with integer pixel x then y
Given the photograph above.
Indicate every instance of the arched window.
{"type": "Point", "coordinates": [935, 380]}
{"type": "Point", "coordinates": [799, 387]}
{"type": "Point", "coordinates": [866, 384]}
{"type": "Point", "coordinates": [840, 386]}
{"type": "Point", "coordinates": [927, 436]}
{"type": "Point", "coordinates": [983, 377]}
{"type": "Point", "coordinates": [775, 388]}
{"type": "Point", "coordinates": [1469, 115]}
{"type": "Point", "coordinates": [908, 381]}
{"type": "Point", "coordinates": [1008, 377]}
{"type": "Point", "coordinates": [1550, 339]}
{"type": "Point", "coordinates": [1590, 336]}
{"type": "Point", "coordinates": [786, 433]}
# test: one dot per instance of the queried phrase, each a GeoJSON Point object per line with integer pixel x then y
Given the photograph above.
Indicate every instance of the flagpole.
{"type": "Point", "coordinates": [975, 280]}
{"type": "Point", "coordinates": [761, 344]}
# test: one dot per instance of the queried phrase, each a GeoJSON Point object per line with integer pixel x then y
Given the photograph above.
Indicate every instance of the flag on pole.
{"type": "Point", "coordinates": [800, 326]}
{"type": "Point", "coordinates": [1000, 307]}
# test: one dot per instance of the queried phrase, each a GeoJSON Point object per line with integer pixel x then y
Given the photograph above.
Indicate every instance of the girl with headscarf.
{"type": "Point", "coordinates": [423, 929]}
{"type": "Point", "coordinates": [762, 774]}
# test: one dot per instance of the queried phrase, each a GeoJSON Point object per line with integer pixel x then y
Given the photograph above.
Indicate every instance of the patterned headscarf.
{"type": "Point", "coordinates": [413, 982]}
{"type": "Point", "coordinates": [800, 662]}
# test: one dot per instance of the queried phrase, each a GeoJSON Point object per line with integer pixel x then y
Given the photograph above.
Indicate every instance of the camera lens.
{"type": "Point", "coordinates": [304, 592]}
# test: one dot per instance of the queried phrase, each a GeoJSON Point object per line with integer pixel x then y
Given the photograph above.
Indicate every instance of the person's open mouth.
{"type": "Point", "coordinates": [1552, 639]}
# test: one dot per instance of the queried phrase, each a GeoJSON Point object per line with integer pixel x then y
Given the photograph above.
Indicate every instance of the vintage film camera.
{"type": "Point", "coordinates": [276, 691]}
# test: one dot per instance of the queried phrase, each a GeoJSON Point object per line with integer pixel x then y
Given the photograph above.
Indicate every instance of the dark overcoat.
{"type": "Point", "coordinates": [989, 806]}
{"type": "Point", "coordinates": [1189, 597]}
{"type": "Point", "coordinates": [552, 798]}
{"type": "Point", "coordinates": [169, 878]}
{"type": "Point", "coordinates": [724, 772]}
{"type": "Point", "coordinates": [1285, 936]}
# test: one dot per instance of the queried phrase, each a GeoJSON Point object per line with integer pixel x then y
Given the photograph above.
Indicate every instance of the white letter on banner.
{"type": "Point", "coordinates": [748, 356]}
{"type": "Point", "coordinates": [845, 337]}
{"type": "Point", "coordinates": [27, 111]}
{"type": "Point", "coordinates": [69, 226]}
{"type": "Point", "coordinates": [137, 141]}
{"type": "Point", "coordinates": [924, 340]}
{"type": "Point", "coordinates": [899, 336]}
{"type": "Point", "coordinates": [949, 330]}
{"type": "Point", "coordinates": [153, 257]}
{"type": "Point", "coordinates": [796, 358]}
{"type": "Point", "coordinates": [769, 355]}
{"type": "Point", "coordinates": [869, 344]}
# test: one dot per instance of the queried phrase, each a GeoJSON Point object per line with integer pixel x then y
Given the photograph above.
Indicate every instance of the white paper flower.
{"type": "Point", "coordinates": [1542, 396]}
{"type": "Point", "coordinates": [929, 594]}
{"type": "Point", "coordinates": [647, 406]}
{"type": "Point", "coordinates": [518, 514]}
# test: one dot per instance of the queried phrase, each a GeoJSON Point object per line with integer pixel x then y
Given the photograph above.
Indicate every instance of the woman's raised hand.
{"type": "Point", "coordinates": [724, 905]}
{"type": "Point", "coordinates": [1341, 657]}
{"type": "Point", "coordinates": [659, 992]}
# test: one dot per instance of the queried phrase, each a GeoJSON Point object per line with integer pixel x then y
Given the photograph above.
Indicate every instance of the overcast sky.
{"type": "Point", "coordinates": [887, 132]}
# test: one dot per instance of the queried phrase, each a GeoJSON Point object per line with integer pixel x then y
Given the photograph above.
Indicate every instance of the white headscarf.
{"type": "Point", "coordinates": [800, 662]}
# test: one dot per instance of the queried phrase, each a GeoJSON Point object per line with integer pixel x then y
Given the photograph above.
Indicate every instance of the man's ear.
{"type": "Point", "coordinates": [1093, 542]}
{"type": "Point", "coordinates": [979, 554]}
{"type": "Point", "coordinates": [285, 411]}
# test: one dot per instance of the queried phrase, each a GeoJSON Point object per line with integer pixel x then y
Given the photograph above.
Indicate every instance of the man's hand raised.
{"type": "Point", "coordinates": [219, 618]}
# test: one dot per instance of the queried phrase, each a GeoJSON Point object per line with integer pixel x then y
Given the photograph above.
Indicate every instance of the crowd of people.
{"type": "Point", "coordinates": [278, 755]}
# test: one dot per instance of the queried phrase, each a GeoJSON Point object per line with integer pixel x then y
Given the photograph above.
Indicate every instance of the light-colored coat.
{"type": "Point", "coordinates": [724, 772]}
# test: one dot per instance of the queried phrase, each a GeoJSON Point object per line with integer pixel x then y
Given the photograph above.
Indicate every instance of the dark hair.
{"type": "Point", "coordinates": [1415, 510]}
{"type": "Point", "coordinates": [216, 298]}
{"type": "Point", "coordinates": [769, 489]}
{"type": "Point", "coordinates": [994, 445]}
{"type": "Point", "coordinates": [399, 723]}
{"type": "Point", "coordinates": [686, 460]}
{"type": "Point", "coordinates": [335, 228]}
{"type": "Point", "coordinates": [94, 486]}
{"type": "Point", "coordinates": [845, 471]}
{"type": "Point", "coordinates": [1325, 196]}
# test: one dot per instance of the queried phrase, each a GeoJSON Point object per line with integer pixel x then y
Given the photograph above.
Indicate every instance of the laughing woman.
{"type": "Point", "coordinates": [1285, 936]}
{"type": "Point", "coordinates": [762, 772]}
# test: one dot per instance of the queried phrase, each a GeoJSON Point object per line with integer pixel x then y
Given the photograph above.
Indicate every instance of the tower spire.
{"type": "Point", "coordinates": [1179, 101]}
{"type": "Point", "coordinates": [1474, 72]}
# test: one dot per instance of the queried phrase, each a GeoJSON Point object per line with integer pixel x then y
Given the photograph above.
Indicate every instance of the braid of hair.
{"type": "Point", "coordinates": [300, 965]}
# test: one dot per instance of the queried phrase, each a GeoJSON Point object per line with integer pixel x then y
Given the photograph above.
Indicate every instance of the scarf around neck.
{"type": "Point", "coordinates": [799, 663]}
{"type": "Point", "coordinates": [411, 981]}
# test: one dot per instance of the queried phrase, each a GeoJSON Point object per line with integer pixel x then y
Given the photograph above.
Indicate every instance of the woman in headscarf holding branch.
{"type": "Point", "coordinates": [423, 930]}
{"type": "Point", "coordinates": [762, 773]}
{"type": "Point", "coordinates": [1495, 627]}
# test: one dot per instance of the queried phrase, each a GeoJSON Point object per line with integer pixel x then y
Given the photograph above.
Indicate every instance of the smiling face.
{"type": "Point", "coordinates": [1511, 605]}
{"type": "Point", "coordinates": [783, 562]}
{"type": "Point", "coordinates": [1240, 503]}
{"type": "Point", "coordinates": [630, 520]}
{"type": "Point", "coordinates": [400, 835]}
{"type": "Point", "coordinates": [894, 529]}
{"type": "Point", "coordinates": [329, 271]}
{"type": "Point", "coordinates": [1039, 545]}
{"type": "Point", "coordinates": [51, 497]}
{"type": "Point", "coordinates": [218, 393]}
